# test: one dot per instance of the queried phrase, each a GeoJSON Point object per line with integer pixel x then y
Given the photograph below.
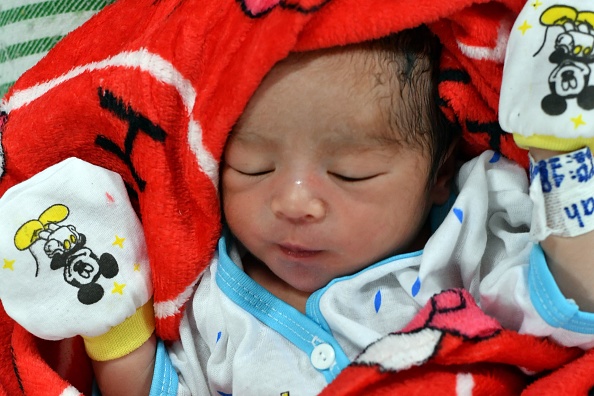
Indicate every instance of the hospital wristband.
{"type": "Point", "coordinates": [562, 191]}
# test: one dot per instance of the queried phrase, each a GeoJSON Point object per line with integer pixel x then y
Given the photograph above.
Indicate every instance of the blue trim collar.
{"type": "Point", "coordinates": [300, 330]}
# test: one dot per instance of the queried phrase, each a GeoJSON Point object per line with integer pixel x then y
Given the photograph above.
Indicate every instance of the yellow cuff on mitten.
{"type": "Point", "coordinates": [553, 143]}
{"type": "Point", "coordinates": [124, 338]}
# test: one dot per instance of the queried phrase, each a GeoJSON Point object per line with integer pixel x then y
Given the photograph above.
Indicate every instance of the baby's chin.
{"type": "Point", "coordinates": [308, 286]}
{"type": "Point", "coordinates": [305, 288]}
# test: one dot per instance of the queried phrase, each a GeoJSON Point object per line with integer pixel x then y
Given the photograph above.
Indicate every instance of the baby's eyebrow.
{"type": "Point", "coordinates": [251, 137]}
{"type": "Point", "coordinates": [360, 142]}
{"type": "Point", "coordinates": [338, 142]}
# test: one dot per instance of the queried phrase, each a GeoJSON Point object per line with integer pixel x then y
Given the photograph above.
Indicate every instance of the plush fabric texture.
{"type": "Point", "coordinates": [151, 88]}
{"type": "Point", "coordinates": [30, 28]}
{"type": "Point", "coordinates": [453, 348]}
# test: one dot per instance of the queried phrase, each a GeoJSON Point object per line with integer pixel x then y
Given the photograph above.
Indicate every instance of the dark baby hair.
{"type": "Point", "coordinates": [410, 61]}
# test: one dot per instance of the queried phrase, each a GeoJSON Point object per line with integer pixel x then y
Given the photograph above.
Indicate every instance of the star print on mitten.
{"type": "Point", "coordinates": [75, 260]}
{"type": "Point", "coordinates": [547, 92]}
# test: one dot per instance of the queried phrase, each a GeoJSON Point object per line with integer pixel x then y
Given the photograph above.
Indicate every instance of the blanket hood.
{"type": "Point", "coordinates": [150, 89]}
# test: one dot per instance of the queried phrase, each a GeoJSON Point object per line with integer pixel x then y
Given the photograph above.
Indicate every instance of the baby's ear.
{"type": "Point", "coordinates": [442, 186]}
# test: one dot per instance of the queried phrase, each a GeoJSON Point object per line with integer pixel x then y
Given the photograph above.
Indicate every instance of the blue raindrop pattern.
{"type": "Point", "coordinates": [496, 157]}
{"type": "Point", "coordinates": [416, 287]}
{"type": "Point", "coordinates": [459, 214]}
{"type": "Point", "coordinates": [378, 301]}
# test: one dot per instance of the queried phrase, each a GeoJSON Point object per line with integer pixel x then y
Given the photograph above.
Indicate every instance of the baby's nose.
{"type": "Point", "coordinates": [298, 202]}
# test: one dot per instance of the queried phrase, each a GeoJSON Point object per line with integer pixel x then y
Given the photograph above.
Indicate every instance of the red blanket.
{"type": "Point", "coordinates": [452, 348]}
{"type": "Point", "coordinates": [150, 89]}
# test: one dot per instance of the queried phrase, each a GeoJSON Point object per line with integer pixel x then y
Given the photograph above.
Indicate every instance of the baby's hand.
{"type": "Point", "coordinates": [74, 259]}
{"type": "Point", "coordinates": [547, 93]}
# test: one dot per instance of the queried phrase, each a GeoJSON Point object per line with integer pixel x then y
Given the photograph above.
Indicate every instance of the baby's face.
{"type": "Point", "coordinates": [307, 188]}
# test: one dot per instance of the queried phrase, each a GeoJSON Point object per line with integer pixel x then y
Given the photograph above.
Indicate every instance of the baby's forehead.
{"type": "Point", "coordinates": [333, 140]}
{"type": "Point", "coordinates": [341, 97]}
{"type": "Point", "coordinates": [344, 63]}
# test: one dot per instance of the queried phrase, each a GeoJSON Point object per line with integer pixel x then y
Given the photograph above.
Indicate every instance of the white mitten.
{"type": "Point", "coordinates": [74, 259]}
{"type": "Point", "coordinates": [547, 93]}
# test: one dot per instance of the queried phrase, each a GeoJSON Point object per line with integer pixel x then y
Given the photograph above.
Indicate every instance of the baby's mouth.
{"type": "Point", "coordinates": [298, 251]}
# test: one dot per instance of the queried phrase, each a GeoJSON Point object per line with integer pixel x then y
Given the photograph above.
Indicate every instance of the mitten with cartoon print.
{"type": "Point", "coordinates": [547, 102]}
{"type": "Point", "coordinates": [74, 259]}
{"type": "Point", "coordinates": [547, 92]}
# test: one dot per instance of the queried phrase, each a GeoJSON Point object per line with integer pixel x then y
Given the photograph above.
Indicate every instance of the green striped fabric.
{"type": "Point", "coordinates": [30, 28]}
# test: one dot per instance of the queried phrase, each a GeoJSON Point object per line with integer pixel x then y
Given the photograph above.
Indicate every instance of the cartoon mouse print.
{"type": "Point", "coordinates": [572, 56]}
{"type": "Point", "coordinates": [65, 246]}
